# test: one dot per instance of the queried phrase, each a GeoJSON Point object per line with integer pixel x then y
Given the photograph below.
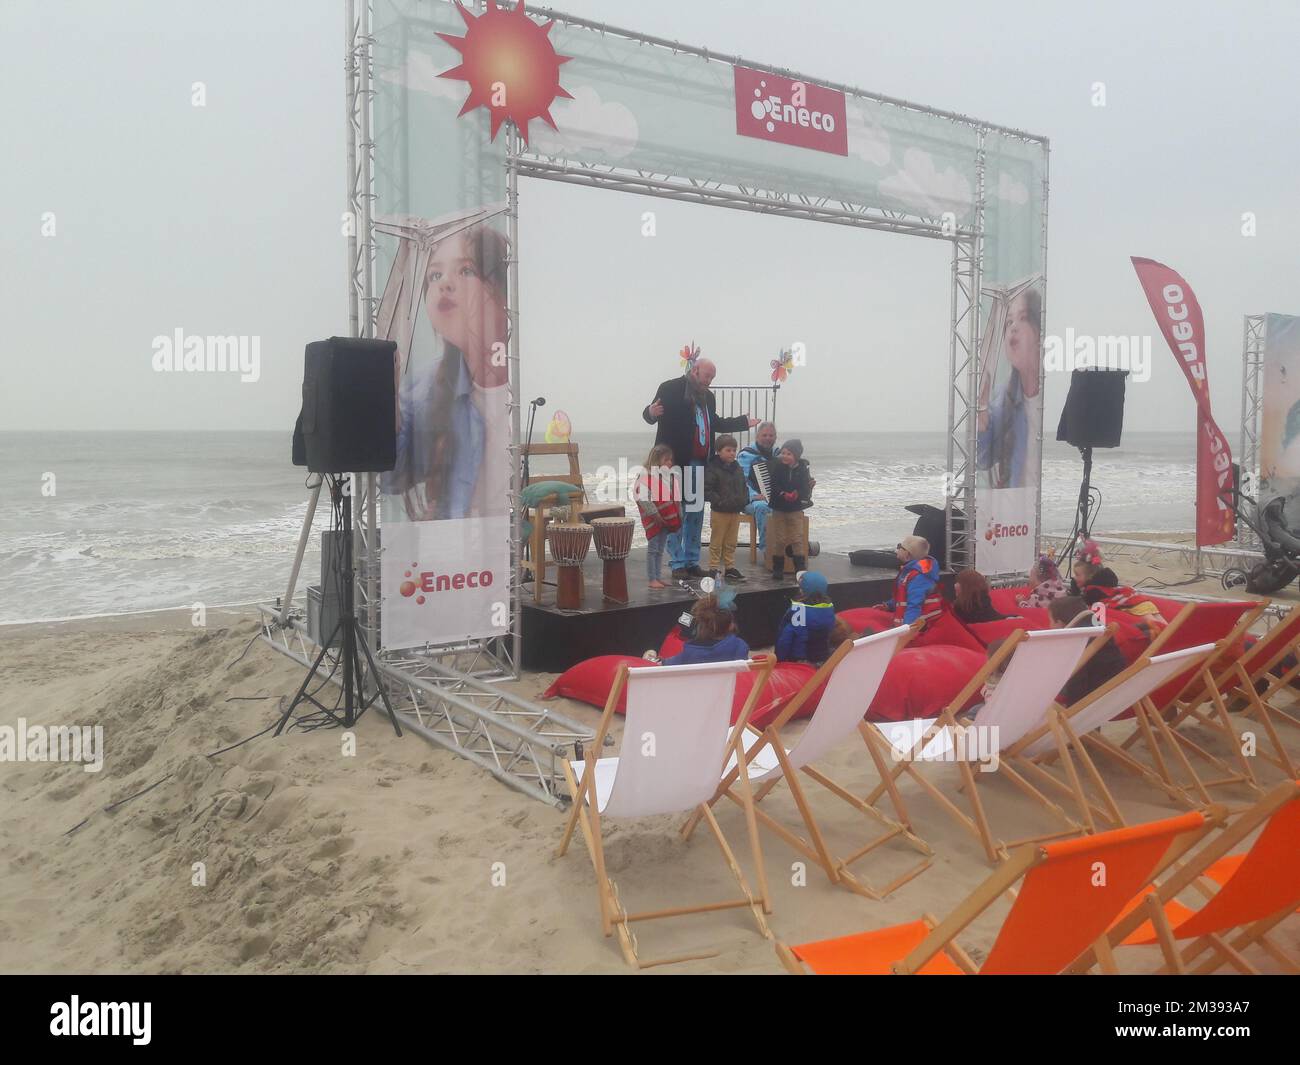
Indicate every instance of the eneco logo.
{"type": "Point", "coordinates": [418, 584]}
{"type": "Point", "coordinates": [772, 108]}
{"type": "Point", "coordinates": [997, 531]}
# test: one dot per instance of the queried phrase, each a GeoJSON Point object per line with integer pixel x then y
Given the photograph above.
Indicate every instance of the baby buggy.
{"type": "Point", "coordinates": [1281, 546]}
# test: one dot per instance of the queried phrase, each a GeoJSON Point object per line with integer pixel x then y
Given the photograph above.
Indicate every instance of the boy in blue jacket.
{"type": "Point", "coordinates": [916, 592]}
{"type": "Point", "coordinates": [805, 630]}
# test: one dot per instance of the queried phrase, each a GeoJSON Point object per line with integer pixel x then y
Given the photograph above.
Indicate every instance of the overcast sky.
{"type": "Point", "coordinates": [224, 219]}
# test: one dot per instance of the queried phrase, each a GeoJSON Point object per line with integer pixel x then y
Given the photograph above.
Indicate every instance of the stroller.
{"type": "Point", "coordinates": [1281, 562]}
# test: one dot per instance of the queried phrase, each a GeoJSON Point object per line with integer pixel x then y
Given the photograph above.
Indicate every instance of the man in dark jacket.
{"type": "Point", "coordinates": [685, 414]}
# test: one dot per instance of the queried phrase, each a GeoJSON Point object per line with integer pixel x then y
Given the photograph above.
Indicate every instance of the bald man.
{"type": "Point", "coordinates": [685, 415]}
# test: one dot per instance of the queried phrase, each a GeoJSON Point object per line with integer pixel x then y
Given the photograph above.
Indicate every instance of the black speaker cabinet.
{"type": "Point", "coordinates": [348, 423]}
{"type": "Point", "coordinates": [1093, 415]}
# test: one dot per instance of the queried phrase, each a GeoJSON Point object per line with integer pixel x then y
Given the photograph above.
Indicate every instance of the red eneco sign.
{"type": "Point", "coordinates": [772, 108]}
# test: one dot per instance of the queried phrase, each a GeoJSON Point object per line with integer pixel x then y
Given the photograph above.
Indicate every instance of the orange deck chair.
{"type": "Point", "coordinates": [1065, 905]}
{"type": "Point", "coordinates": [1224, 625]}
{"type": "Point", "coordinates": [1256, 891]}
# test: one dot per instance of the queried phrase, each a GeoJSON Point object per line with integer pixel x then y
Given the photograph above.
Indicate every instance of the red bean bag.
{"type": "Point", "coordinates": [946, 630]}
{"type": "Point", "coordinates": [1031, 619]}
{"type": "Point", "coordinates": [590, 681]}
{"type": "Point", "coordinates": [673, 643]}
{"type": "Point", "coordinates": [865, 620]}
{"type": "Point", "coordinates": [921, 681]}
{"type": "Point", "coordinates": [1005, 600]}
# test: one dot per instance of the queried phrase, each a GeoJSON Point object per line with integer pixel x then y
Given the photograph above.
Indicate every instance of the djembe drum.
{"type": "Point", "coordinates": [569, 546]}
{"type": "Point", "coordinates": [613, 538]}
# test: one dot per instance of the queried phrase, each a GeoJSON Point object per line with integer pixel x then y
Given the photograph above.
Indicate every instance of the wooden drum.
{"type": "Point", "coordinates": [613, 538]}
{"type": "Point", "coordinates": [569, 546]}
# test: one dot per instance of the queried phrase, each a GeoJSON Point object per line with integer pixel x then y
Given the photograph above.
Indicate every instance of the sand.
{"type": "Point", "coordinates": [389, 860]}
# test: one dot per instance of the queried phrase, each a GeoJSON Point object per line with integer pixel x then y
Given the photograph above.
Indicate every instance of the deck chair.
{"type": "Point", "coordinates": [1248, 683]}
{"type": "Point", "coordinates": [1223, 624]}
{"type": "Point", "coordinates": [1068, 733]}
{"type": "Point", "coordinates": [1037, 666]}
{"type": "Point", "coordinates": [1062, 909]}
{"type": "Point", "coordinates": [677, 740]}
{"type": "Point", "coordinates": [1254, 892]}
{"type": "Point", "coordinates": [851, 677]}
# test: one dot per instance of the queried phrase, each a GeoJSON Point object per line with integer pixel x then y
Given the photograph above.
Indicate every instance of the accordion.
{"type": "Point", "coordinates": [762, 478]}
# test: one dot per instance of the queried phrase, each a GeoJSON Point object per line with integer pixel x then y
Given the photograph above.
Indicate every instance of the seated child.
{"type": "Point", "coordinates": [916, 591]}
{"type": "Point", "coordinates": [972, 603]}
{"type": "Point", "coordinates": [714, 638]}
{"type": "Point", "coordinates": [1045, 583]}
{"type": "Point", "coordinates": [1071, 612]}
{"type": "Point", "coordinates": [805, 630]}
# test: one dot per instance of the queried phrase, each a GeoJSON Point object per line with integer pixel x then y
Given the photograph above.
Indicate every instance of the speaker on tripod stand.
{"type": "Point", "coordinates": [1093, 417]}
{"type": "Point", "coordinates": [347, 425]}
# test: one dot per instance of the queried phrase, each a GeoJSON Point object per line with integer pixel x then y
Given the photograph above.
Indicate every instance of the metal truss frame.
{"type": "Point", "coordinates": [1252, 383]}
{"type": "Point", "coordinates": [447, 694]}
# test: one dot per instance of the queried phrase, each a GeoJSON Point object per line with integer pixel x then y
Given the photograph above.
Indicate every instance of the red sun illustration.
{"type": "Point", "coordinates": [510, 64]}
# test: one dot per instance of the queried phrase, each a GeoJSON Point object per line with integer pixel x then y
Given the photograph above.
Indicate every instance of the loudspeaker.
{"type": "Point", "coordinates": [347, 424]}
{"type": "Point", "coordinates": [1093, 415]}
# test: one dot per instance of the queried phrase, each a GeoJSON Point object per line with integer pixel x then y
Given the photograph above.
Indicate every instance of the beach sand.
{"type": "Point", "coordinates": [385, 861]}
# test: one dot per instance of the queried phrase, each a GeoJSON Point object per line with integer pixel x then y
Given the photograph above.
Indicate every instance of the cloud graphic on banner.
{"type": "Point", "coordinates": [1011, 190]}
{"type": "Point", "coordinates": [922, 185]}
{"type": "Point", "coordinates": [867, 140]}
{"type": "Point", "coordinates": [421, 75]}
{"type": "Point", "coordinates": [587, 123]}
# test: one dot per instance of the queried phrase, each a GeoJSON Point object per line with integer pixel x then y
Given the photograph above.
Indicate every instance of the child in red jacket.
{"type": "Point", "coordinates": [657, 497]}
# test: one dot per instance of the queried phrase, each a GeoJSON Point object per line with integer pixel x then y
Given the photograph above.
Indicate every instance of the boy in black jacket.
{"type": "Point", "coordinates": [792, 486]}
{"type": "Point", "coordinates": [727, 494]}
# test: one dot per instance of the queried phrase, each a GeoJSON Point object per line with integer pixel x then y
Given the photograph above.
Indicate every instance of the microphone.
{"type": "Point", "coordinates": [540, 401]}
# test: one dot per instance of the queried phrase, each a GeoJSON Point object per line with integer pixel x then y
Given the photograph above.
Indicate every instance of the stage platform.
{"type": "Point", "coordinates": [554, 639]}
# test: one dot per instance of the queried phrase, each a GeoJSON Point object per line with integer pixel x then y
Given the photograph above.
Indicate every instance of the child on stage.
{"type": "Point", "coordinates": [727, 495]}
{"type": "Point", "coordinates": [657, 494]}
{"type": "Point", "coordinates": [792, 486]}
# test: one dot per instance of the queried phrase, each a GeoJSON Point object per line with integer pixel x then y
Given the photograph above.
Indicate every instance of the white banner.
{"type": "Point", "coordinates": [445, 581]}
{"type": "Point", "coordinates": [1004, 528]}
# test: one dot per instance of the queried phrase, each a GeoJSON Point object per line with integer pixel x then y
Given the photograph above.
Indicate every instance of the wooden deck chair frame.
{"type": "Point", "coordinates": [1071, 744]}
{"type": "Point", "coordinates": [1181, 833]}
{"type": "Point", "coordinates": [1238, 678]}
{"type": "Point", "coordinates": [585, 814]}
{"type": "Point", "coordinates": [1190, 873]}
{"type": "Point", "coordinates": [1154, 723]}
{"type": "Point", "coordinates": [977, 823]}
{"type": "Point", "coordinates": [815, 845]}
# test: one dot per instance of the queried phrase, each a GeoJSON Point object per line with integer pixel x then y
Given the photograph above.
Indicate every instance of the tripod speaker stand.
{"type": "Point", "coordinates": [352, 644]}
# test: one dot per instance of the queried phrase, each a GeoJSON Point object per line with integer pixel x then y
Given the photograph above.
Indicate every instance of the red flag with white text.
{"type": "Point", "coordinates": [1179, 316]}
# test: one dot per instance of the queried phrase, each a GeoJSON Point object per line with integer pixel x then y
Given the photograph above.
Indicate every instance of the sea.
{"type": "Point", "coordinates": [118, 522]}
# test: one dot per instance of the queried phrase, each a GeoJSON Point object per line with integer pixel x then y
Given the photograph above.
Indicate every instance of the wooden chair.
{"type": "Point", "coordinates": [685, 713]}
{"type": "Point", "coordinates": [1249, 683]}
{"type": "Point", "coordinates": [1224, 625]}
{"type": "Point", "coordinates": [1061, 909]}
{"type": "Point", "coordinates": [850, 677]}
{"type": "Point", "coordinates": [536, 563]}
{"type": "Point", "coordinates": [1068, 733]}
{"type": "Point", "coordinates": [1037, 665]}
{"type": "Point", "coordinates": [1253, 892]}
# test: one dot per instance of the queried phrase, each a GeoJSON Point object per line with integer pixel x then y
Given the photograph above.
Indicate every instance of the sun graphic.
{"type": "Point", "coordinates": [510, 64]}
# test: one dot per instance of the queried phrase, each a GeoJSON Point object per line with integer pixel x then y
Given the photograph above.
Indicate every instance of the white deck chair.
{"type": "Point", "coordinates": [1037, 666]}
{"type": "Point", "coordinates": [852, 676]}
{"type": "Point", "coordinates": [1069, 732]}
{"type": "Point", "coordinates": [677, 738]}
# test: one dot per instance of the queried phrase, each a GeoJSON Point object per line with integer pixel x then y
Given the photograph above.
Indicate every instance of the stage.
{"type": "Point", "coordinates": [554, 639]}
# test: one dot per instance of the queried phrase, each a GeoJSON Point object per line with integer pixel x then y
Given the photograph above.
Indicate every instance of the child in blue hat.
{"type": "Point", "coordinates": [805, 631]}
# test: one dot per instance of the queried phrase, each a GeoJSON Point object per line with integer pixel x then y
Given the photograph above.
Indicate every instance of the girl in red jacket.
{"type": "Point", "coordinates": [658, 497]}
